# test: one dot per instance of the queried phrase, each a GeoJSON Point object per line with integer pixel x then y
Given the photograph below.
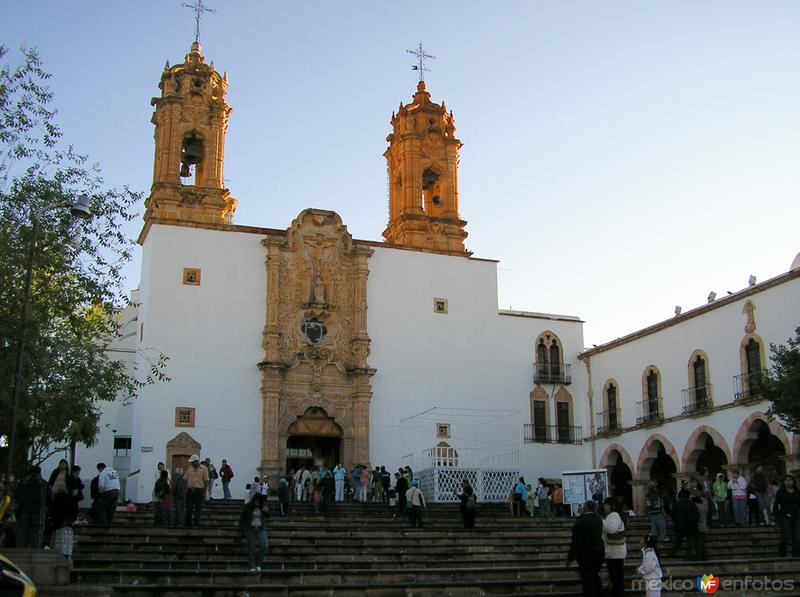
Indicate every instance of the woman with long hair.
{"type": "Point", "coordinates": [615, 544]}
{"type": "Point", "coordinates": [786, 510]}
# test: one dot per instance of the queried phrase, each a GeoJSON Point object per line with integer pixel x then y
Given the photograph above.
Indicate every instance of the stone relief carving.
{"type": "Point", "coordinates": [315, 341]}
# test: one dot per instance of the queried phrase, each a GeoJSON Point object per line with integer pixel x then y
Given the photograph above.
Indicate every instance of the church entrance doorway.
{"type": "Point", "coordinates": [313, 440]}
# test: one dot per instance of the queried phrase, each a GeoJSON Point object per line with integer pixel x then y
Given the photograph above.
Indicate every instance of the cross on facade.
{"type": "Point", "coordinates": [198, 9]}
{"type": "Point", "coordinates": [421, 56]}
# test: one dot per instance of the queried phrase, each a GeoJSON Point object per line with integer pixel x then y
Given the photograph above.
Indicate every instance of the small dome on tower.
{"type": "Point", "coordinates": [796, 263]}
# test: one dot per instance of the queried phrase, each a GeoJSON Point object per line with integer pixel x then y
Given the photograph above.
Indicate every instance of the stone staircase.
{"type": "Point", "coordinates": [362, 550]}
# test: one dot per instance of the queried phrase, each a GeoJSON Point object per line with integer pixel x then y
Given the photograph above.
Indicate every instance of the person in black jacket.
{"type": "Point", "coordinates": [686, 516]}
{"type": "Point", "coordinates": [252, 526]}
{"type": "Point", "coordinates": [588, 550]}
{"type": "Point", "coordinates": [468, 505]}
{"type": "Point", "coordinates": [400, 487]}
{"type": "Point", "coordinates": [786, 510]}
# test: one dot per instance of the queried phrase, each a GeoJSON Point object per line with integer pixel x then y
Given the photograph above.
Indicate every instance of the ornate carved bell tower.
{"type": "Point", "coordinates": [423, 178]}
{"type": "Point", "coordinates": [191, 119]}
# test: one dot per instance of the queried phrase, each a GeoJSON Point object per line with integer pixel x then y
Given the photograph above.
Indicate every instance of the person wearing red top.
{"type": "Point", "coordinates": [226, 474]}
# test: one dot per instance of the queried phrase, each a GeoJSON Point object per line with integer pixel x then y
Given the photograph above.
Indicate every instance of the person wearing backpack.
{"type": "Point", "coordinates": [469, 505]}
{"type": "Point", "coordinates": [415, 505]}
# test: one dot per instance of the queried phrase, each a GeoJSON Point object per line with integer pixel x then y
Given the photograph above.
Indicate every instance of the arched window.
{"type": "Point", "coordinates": [555, 360]}
{"type": "Point", "coordinates": [700, 383]}
{"type": "Point", "coordinates": [652, 387]}
{"type": "Point", "coordinates": [611, 397]}
{"type": "Point", "coordinates": [550, 367]}
{"type": "Point", "coordinates": [540, 415]}
{"type": "Point", "coordinates": [753, 355]}
{"type": "Point", "coordinates": [752, 352]}
{"type": "Point", "coordinates": [541, 358]}
{"type": "Point", "coordinates": [649, 410]}
{"type": "Point", "coordinates": [566, 432]}
{"type": "Point", "coordinates": [446, 455]}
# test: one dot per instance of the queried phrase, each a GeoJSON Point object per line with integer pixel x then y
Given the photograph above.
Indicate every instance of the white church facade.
{"type": "Point", "coordinates": [304, 346]}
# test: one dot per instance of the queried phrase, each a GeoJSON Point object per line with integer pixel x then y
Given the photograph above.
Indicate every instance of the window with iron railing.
{"type": "Point", "coordinates": [650, 411]}
{"type": "Point", "coordinates": [608, 421]}
{"type": "Point", "coordinates": [552, 373]}
{"type": "Point", "coordinates": [748, 386]}
{"type": "Point", "coordinates": [553, 434]}
{"type": "Point", "coordinates": [696, 398]}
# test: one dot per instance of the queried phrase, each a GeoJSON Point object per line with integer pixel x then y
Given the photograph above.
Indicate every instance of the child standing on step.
{"type": "Point", "coordinates": [650, 570]}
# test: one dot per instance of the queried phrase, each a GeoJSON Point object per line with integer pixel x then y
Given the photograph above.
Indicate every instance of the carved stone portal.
{"type": "Point", "coordinates": [315, 339]}
{"type": "Point", "coordinates": [179, 449]}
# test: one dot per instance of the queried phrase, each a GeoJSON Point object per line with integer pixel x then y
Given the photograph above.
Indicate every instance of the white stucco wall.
{"type": "Point", "coordinates": [719, 332]}
{"type": "Point", "coordinates": [212, 336]}
{"type": "Point", "coordinates": [472, 364]}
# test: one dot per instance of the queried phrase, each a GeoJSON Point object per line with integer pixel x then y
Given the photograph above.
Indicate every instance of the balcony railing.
{"type": "Point", "coordinates": [609, 421]}
{"type": "Point", "coordinates": [747, 386]}
{"type": "Point", "coordinates": [697, 399]}
{"type": "Point", "coordinates": [553, 434]}
{"type": "Point", "coordinates": [650, 412]}
{"type": "Point", "coordinates": [552, 373]}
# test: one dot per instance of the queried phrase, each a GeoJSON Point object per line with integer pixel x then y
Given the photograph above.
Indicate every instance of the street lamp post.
{"type": "Point", "coordinates": [79, 209]}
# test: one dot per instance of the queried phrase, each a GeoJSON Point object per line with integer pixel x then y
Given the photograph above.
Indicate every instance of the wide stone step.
{"type": "Point", "coordinates": [565, 583]}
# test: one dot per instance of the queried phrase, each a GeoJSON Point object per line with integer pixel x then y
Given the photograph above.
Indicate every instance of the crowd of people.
{"type": "Point", "coordinates": [701, 503]}
{"type": "Point", "coordinates": [545, 500]}
{"type": "Point", "coordinates": [50, 508]}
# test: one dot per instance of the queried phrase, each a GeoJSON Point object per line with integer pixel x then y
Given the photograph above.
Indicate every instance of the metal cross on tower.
{"type": "Point", "coordinates": [198, 9]}
{"type": "Point", "coordinates": [421, 56]}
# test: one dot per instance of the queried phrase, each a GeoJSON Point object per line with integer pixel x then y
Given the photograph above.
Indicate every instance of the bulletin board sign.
{"type": "Point", "coordinates": [579, 485]}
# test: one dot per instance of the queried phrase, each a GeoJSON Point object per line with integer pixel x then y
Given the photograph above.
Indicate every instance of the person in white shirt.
{"type": "Point", "coordinates": [650, 570]}
{"type": "Point", "coordinates": [614, 541]}
{"type": "Point", "coordinates": [415, 504]}
{"type": "Point", "coordinates": [738, 487]}
{"type": "Point", "coordinates": [108, 485]}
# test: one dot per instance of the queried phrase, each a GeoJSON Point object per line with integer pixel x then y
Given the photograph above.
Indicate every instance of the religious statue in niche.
{"type": "Point", "coordinates": [319, 251]}
{"type": "Point", "coordinates": [750, 311]}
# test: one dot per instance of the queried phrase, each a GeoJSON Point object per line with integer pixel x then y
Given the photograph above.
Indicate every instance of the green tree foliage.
{"type": "Point", "coordinates": [77, 289]}
{"type": "Point", "coordinates": [782, 385]}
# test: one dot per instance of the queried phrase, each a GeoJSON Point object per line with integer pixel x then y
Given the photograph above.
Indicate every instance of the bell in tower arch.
{"type": "Point", "coordinates": [192, 149]}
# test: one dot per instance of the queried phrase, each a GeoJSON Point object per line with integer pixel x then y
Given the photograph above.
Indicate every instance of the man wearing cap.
{"type": "Point", "coordinates": [415, 504]}
{"type": "Point", "coordinates": [197, 482]}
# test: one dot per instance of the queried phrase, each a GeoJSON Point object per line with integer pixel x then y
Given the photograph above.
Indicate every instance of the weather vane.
{"type": "Point", "coordinates": [198, 9]}
{"type": "Point", "coordinates": [421, 56]}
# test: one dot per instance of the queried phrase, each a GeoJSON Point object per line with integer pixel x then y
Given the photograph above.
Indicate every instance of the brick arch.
{"type": "Point", "coordinates": [626, 458]}
{"type": "Point", "coordinates": [796, 444]}
{"type": "Point", "coordinates": [692, 451]}
{"type": "Point", "coordinates": [648, 455]}
{"type": "Point", "coordinates": [745, 438]}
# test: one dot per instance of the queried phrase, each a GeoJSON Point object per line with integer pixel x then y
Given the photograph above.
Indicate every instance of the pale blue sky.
{"type": "Point", "coordinates": [619, 157]}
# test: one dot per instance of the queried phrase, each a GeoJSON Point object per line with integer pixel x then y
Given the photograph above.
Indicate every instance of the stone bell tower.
{"type": "Point", "coordinates": [191, 119]}
{"type": "Point", "coordinates": [423, 178]}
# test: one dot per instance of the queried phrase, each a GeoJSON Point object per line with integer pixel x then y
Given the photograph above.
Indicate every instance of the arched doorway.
{"type": "Point", "coordinates": [706, 449]}
{"type": "Point", "coordinates": [619, 478]}
{"type": "Point", "coordinates": [765, 449]}
{"type": "Point", "coordinates": [663, 469]}
{"type": "Point", "coordinates": [658, 462]}
{"type": "Point", "coordinates": [314, 439]}
{"type": "Point", "coordinates": [712, 458]}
